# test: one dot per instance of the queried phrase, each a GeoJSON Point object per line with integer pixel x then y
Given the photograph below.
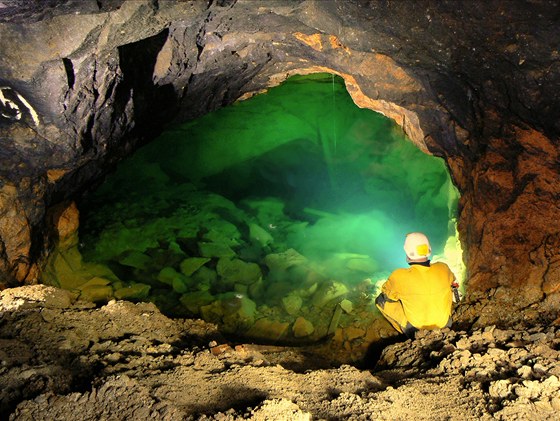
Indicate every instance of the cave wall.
{"type": "Point", "coordinates": [85, 83]}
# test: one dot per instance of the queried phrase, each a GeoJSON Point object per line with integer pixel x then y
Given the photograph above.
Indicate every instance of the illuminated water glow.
{"type": "Point", "coordinates": [286, 200]}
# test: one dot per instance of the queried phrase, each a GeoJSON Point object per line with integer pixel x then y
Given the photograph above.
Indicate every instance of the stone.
{"type": "Point", "coordinates": [215, 250]}
{"type": "Point", "coordinates": [292, 304]}
{"type": "Point", "coordinates": [328, 292]}
{"type": "Point", "coordinates": [66, 265]}
{"type": "Point", "coordinates": [180, 285]}
{"type": "Point", "coordinates": [193, 301]}
{"type": "Point", "coordinates": [137, 291]}
{"type": "Point", "coordinates": [500, 389]}
{"type": "Point", "coordinates": [347, 306]}
{"type": "Point", "coordinates": [96, 281]}
{"type": "Point", "coordinates": [204, 278]}
{"type": "Point", "coordinates": [96, 293]}
{"type": "Point", "coordinates": [281, 262]}
{"type": "Point", "coordinates": [233, 271]}
{"type": "Point", "coordinates": [168, 275]}
{"type": "Point", "coordinates": [259, 235]}
{"type": "Point", "coordinates": [222, 232]}
{"type": "Point", "coordinates": [191, 264]}
{"type": "Point", "coordinates": [268, 329]}
{"type": "Point", "coordinates": [239, 312]}
{"type": "Point", "coordinates": [135, 259]}
{"type": "Point", "coordinates": [302, 328]}
{"type": "Point", "coordinates": [353, 332]}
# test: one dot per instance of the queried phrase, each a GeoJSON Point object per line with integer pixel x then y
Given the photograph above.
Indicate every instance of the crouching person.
{"type": "Point", "coordinates": [420, 296]}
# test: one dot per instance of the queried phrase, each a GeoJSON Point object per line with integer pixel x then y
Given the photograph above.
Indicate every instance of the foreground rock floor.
{"type": "Point", "coordinates": [62, 359]}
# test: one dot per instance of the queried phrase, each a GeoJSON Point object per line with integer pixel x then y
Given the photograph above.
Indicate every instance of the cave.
{"type": "Point", "coordinates": [88, 87]}
{"type": "Point", "coordinates": [264, 217]}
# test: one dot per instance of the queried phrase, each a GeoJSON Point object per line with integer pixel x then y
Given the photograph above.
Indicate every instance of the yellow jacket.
{"type": "Point", "coordinates": [424, 292]}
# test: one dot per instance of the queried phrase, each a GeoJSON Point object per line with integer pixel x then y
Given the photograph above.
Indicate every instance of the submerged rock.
{"type": "Point", "coordinates": [260, 235]}
{"type": "Point", "coordinates": [327, 292]}
{"type": "Point", "coordinates": [234, 271]}
{"type": "Point", "coordinates": [135, 259]}
{"type": "Point", "coordinates": [302, 328]}
{"type": "Point", "coordinates": [136, 291]}
{"type": "Point", "coordinates": [292, 303]}
{"type": "Point", "coordinates": [268, 329]}
{"type": "Point", "coordinates": [193, 301]}
{"type": "Point", "coordinates": [192, 264]}
{"type": "Point", "coordinates": [215, 250]}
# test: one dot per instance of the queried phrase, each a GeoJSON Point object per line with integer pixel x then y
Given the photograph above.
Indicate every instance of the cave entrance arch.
{"type": "Point", "coordinates": [277, 218]}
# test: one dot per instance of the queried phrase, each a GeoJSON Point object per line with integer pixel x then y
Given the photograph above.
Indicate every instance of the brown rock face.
{"type": "Point", "coordinates": [84, 83]}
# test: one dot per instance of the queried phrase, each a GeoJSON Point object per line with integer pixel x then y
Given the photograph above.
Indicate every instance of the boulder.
{"type": "Point", "coordinates": [281, 262]}
{"type": "Point", "coordinates": [191, 264]}
{"type": "Point", "coordinates": [168, 274]}
{"type": "Point", "coordinates": [259, 235]}
{"type": "Point", "coordinates": [137, 291]}
{"type": "Point", "coordinates": [268, 329]}
{"type": "Point", "coordinates": [204, 278]}
{"type": "Point", "coordinates": [347, 306]}
{"type": "Point", "coordinates": [215, 250]}
{"type": "Point", "coordinates": [135, 259]}
{"type": "Point", "coordinates": [239, 312]}
{"type": "Point", "coordinates": [302, 328]}
{"type": "Point", "coordinates": [96, 293]}
{"type": "Point", "coordinates": [292, 304]}
{"type": "Point", "coordinates": [193, 301]}
{"type": "Point", "coordinates": [234, 271]}
{"type": "Point", "coordinates": [327, 292]}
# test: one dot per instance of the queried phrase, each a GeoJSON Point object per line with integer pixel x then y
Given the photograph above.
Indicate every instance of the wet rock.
{"type": "Point", "coordinates": [292, 304]}
{"type": "Point", "coordinates": [136, 291]}
{"type": "Point", "coordinates": [192, 264]}
{"type": "Point", "coordinates": [134, 259]}
{"type": "Point", "coordinates": [193, 301]}
{"type": "Point", "coordinates": [215, 250]}
{"type": "Point", "coordinates": [302, 328]}
{"type": "Point", "coordinates": [347, 306]}
{"type": "Point", "coordinates": [281, 262]}
{"type": "Point", "coordinates": [269, 329]}
{"type": "Point", "coordinates": [327, 292]}
{"type": "Point", "coordinates": [260, 235]}
{"type": "Point", "coordinates": [96, 293]}
{"type": "Point", "coordinates": [204, 278]}
{"type": "Point", "coordinates": [234, 271]}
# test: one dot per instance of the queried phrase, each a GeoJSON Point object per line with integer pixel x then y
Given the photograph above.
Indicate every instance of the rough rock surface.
{"type": "Point", "coordinates": [84, 82]}
{"type": "Point", "coordinates": [62, 359]}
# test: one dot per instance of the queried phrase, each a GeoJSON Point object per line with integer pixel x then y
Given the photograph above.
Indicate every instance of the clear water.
{"type": "Point", "coordinates": [270, 215]}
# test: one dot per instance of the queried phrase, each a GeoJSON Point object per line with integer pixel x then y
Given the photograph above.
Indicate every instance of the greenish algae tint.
{"type": "Point", "coordinates": [276, 217]}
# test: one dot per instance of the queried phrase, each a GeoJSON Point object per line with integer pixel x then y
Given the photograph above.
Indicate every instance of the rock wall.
{"type": "Point", "coordinates": [84, 83]}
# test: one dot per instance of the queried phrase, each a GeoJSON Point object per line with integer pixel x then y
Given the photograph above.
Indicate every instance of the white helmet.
{"type": "Point", "coordinates": [417, 246]}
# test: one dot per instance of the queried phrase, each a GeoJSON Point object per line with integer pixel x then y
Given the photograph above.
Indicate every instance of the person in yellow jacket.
{"type": "Point", "coordinates": [420, 296]}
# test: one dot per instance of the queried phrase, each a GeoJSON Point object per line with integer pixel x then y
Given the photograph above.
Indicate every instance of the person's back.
{"type": "Point", "coordinates": [418, 297]}
{"type": "Point", "coordinates": [425, 294]}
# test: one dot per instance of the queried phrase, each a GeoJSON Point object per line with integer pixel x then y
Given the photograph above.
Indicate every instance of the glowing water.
{"type": "Point", "coordinates": [265, 213]}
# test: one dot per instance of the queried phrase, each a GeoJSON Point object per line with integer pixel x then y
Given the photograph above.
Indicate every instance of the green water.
{"type": "Point", "coordinates": [268, 212]}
